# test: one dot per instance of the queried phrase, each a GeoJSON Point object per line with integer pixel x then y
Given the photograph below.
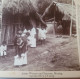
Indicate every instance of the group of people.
{"type": "Point", "coordinates": [23, 40]}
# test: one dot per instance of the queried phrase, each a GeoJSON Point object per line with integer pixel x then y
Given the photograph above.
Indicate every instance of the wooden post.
{"type": "Point", "coordinates": [77, 24]}
{"type": "Point", "coordinates": [71, 20]}
{"type": "Point", "coordinates": [0, 36]}
{"type": "Point", "coordinates": [19, 14]}
{"type": "Point", "coordinates": [54, 20]}
{"type": "Point", "coordinates": [1, 21]}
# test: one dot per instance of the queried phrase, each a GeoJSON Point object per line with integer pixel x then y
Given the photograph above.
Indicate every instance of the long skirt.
{"type": "Point", "coordinates": [33, 42]}
{"type": "Point", "coordinates": [18, 61]}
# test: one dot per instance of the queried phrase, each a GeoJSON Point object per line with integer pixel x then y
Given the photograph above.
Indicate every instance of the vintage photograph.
{"type": "Point", "coordinates": [38, 35]}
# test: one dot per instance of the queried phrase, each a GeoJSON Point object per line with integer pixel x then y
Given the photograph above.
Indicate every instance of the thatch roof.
{"type": "Point", "coordinates": [17, 6]}
{"type": "Point", "coordinates": [62, 11]}
{"type": "Point", "coordinates": [23, 8]}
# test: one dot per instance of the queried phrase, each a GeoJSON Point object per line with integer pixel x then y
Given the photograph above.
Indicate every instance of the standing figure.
{"type": "Point", "coordinates": [32, 37]}
{"type": "Point", "coordinates": [3, 49]}
{"type": "Point", "coordinates": [24, 32]}
{"type": "Point", "coordinates": [42, 35]}
{"type": "Point", "coordinates": [21, 56]}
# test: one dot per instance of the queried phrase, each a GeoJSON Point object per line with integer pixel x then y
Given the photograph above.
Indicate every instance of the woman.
{"type": "Point", "coordinates": [32, 37]}
{"type": "Point", "coordinates": [42, 35]}
{"type": "Point", "coordinates": [21, 55]}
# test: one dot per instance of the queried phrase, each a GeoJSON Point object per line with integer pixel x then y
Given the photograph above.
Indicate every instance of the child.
{"type": "Point", "coordinates": [3, 49]}
{"type": "Point", "coordinates": [21, 56]}
{"type": "Point", "coordinates": [42, 35]}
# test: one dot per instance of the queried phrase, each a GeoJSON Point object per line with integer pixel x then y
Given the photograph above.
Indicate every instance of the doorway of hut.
{"type": "Point", "coordinates": [54, 28]}
{"type": "Point", "coordinates": [57, 28]}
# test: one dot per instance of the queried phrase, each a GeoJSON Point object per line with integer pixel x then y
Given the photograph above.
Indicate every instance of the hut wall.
{"type": "Point", "coordinates": [12, 24]}
{"type": "Point", "coordinates": [9, 31]}
{"type": "Point", "coordinates": [51, 28]}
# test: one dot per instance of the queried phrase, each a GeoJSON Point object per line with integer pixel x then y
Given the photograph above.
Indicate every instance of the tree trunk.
{"type": "Point", "coordinates": [71, 20]}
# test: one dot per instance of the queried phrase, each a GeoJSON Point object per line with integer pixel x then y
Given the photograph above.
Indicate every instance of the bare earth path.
{"type": "Point", "coordinates": [57, 54]}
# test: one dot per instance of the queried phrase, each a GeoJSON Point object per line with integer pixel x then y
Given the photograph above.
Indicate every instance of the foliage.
{"type": "Point", "coordinates": [42, 5]}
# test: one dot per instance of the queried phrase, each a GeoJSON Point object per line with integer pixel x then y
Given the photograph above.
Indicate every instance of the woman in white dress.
{"type": "Point", "coordinates": [32, 37]}
{"type": "Point", "coordinates": [42, 35]}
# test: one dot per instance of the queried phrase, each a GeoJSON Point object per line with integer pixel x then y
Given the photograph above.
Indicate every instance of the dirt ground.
{"type": "Point", "coordinates": [59, 53]}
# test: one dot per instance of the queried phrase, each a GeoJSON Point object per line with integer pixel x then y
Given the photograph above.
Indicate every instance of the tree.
{"type": "Point", "coordinates": [42, 5]}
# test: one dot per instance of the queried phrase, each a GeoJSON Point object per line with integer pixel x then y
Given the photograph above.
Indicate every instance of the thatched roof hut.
{"type": "Point", "coordinates": [18, 14]}
{"type": "Point", "coordinates": [22, 8]}
{"type": "Point", "coordinates": [61, 12]}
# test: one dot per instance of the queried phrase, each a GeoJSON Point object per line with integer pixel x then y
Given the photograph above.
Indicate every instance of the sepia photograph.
{"type": "Point", "coordinates": [38, 35]}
